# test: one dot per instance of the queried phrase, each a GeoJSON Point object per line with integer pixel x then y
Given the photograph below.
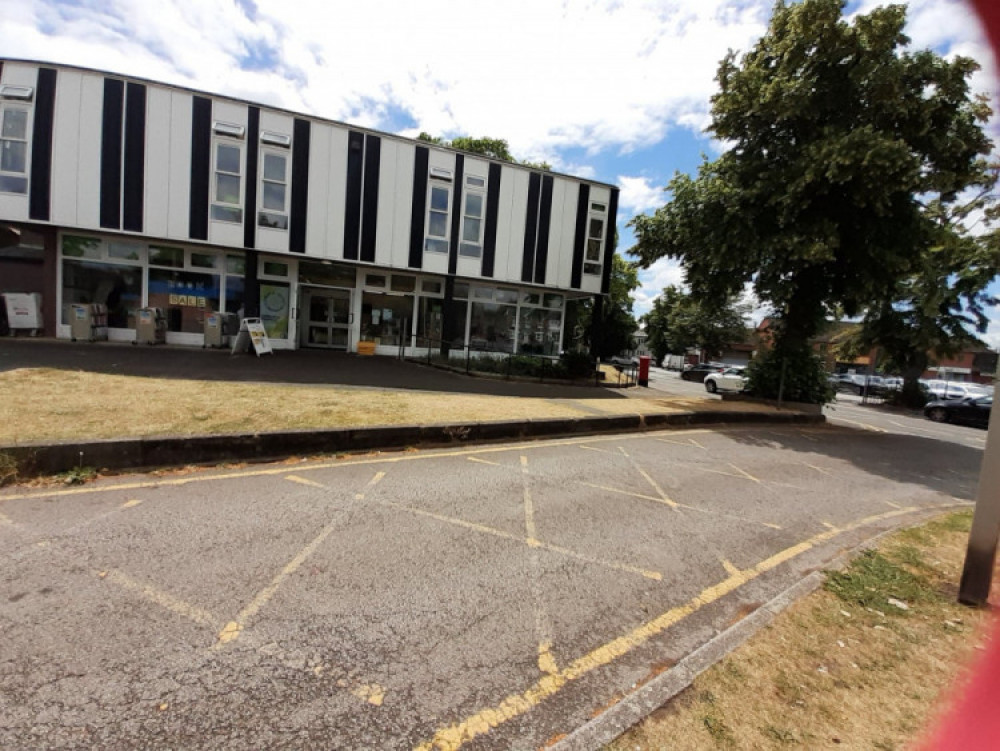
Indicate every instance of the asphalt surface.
{"type": "Point", "coordinates": [482, 597]}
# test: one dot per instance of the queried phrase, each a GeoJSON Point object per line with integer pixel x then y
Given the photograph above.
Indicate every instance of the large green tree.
{"type": "Point", "coordinates": [839, 140]}
{"type": "Point", "coordinates": [679, 321]}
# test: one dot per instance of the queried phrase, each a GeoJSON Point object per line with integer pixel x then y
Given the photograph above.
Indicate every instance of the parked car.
{"type": "Point", "coordinates": [623, 361]}
{"type": "Point", "coordinates": [858, 383]}
{"type": "Point", "coordinates": [698, 372]}
{"type": "Point", "coordinates": [953, 389]}
{"type": "Point", "coordinates": [730, 379]}
{"type": "Point", "coordinates": [971, 410]}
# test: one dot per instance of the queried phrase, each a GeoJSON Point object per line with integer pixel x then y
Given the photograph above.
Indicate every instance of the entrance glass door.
{"type": "Point", "coordinates": [328, 318]}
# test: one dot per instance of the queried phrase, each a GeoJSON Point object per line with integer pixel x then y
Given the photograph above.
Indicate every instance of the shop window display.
{"type": "Point", "coordinates": [117, 287]}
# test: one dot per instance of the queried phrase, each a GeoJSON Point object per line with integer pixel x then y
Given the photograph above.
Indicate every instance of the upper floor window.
{"type": "Point", "coordinates": [228, 200]}
{"type": "Point", "coordinates": [438, 212]}
{"type": "Point", "coordinates": [274, 191]}
{"type": "Point", "coordinates": [472, 217]}
{"type": "Point", "coordinates": [595, 239]}
{"type": "Point", "coordinates": [13, 149]}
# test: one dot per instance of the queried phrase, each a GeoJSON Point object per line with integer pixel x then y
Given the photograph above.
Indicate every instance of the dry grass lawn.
{"type": "Point", "coordinates": [47, 404]}
{"type": "Point", "coordinates": [844, 668]}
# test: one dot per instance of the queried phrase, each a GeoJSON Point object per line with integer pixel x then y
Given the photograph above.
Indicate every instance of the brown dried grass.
{"type": "Point", "coordinates": [832, 674]}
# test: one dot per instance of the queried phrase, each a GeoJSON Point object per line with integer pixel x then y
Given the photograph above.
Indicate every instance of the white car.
{"type": "Point", "coordinates": [939, 389]}
{"type": "Point", "coordinates": [730, 379]}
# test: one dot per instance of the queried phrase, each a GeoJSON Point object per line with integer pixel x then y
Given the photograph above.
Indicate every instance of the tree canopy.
{"type": "Point", "coordinates": [612, 332]}
{"type": "Point", "coordinates": [679, 321]}
{"type": "Point", "coordinates": [494, 148]}
{"type": "Point", "coordinates": [844, 150]}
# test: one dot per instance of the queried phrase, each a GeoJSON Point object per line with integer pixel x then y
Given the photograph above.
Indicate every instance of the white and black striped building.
{"type": "Point", "coordinates": [132, 193]}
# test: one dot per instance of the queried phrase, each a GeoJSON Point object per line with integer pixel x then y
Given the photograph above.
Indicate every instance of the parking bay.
{"type": "Point", "coordinates": [495, 595]}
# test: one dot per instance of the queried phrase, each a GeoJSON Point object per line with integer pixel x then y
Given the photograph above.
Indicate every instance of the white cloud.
{"type": "Point", "coordinates": [638, 195]}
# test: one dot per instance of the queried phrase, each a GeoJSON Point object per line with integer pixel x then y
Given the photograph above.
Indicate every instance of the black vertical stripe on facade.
{"type": "Point", "coordinates": [251, 285]}
{"type": "Point", "coordinates": [301, 132]}
{"type": "Point", "coordinates": [418, 211]}
{"type": "Point", "coordinates": [531, 228]}
{"type": "Point", "coordinates": [610, 231]}
{"type": "Point", "coordinates": [456, 214]}
{"type": "Point", "coordinates": [39, 199]}
{"type": "Point", "coordinates": [134, 180]}
{"type": "Point", "coordinates": [111, 154]}
{"type": "Point", "coordinates": [580, 238]}
{"type": "Point", "coordinates": [544, 221]}
{"type": "Point", "coordinates": [201, 166]}
{"type": "Point", "coordinates": [490, 230]}
{"type": "Point", "coordinates": [250, 192]}
{"type": "Point", "coordinates": [352, 204]}
{"type": "Point", "coordinates": [369, 202]}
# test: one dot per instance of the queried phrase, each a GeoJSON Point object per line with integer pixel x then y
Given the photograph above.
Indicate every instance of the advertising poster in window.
{"type": "Point", "coordinates": [274, 310]}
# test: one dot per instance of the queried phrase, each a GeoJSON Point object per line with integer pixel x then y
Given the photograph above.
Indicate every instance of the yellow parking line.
{"type": "Point", "coordinates": [529, 508]}
{"type": "Point", "coordinates": [131, 504]}
{"type": "Point", "coordinates": [453, 736]}
{"type": "Point", "coordinates": [161, 598]}
{"type": "Point", "coordinates": [724, 515]}
{"type": "Point", "coordinates": [546, 662]}
{"type": "Point", "coordinates": [304, 481]}
{"type": "Point", "coordinates": [233, 629]}
{"type": "Point", "coordinates": [654, 575]}
{"type": "Point", "coordinates": [654, 499]}
{"type": "Point", "coordinates": [6, 520]}
{"type": "Point", "coordinates": [591, 448]}
{"type": "Point", "coordinates": [730, 568]}
{"type": "Point", "coordinates": [371, 484]}
{"type": "Point", "coordinates": [656, 486]}
{"type": "Point", "coordinates": [482, 461]}
{"type": "Point", "coordinates": [744, 473]}
{"type": "Point", "coordinates": [818, 469]}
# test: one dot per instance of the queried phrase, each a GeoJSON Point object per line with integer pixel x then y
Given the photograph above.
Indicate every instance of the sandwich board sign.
{"type": "Point", "coordinates": [252, 332]}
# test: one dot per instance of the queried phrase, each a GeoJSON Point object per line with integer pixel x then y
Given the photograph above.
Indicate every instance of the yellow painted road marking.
{"type": "Point", "coordinates": [235, 627]}
{"type": "Point", "coordinates": [482, 461]}
{"type": "Point", "coordinates": [730, 568]}
{"type": "Point", "coordinates": [818, 469]}
{"type": "Point", "coordinates": [744, 473]}
{"type": "Point", "coordinates": [862, 425]}
{"type": "Point", "coordinates": [591, 448]}
{"type": "Point", "coordinates": [828, 525]}
{"type": "Point", "coordinates": [894, 505]}
{"type": "Point", "coordinates": [131, 504]}
{"type": "Point", "coordinates": [692, 440]}
{"type": "Point", "coordinates": [371, 693]}
{"type": "Point", "coordinates": [529, 508]}
{"type": "Point", "coordinates": [546, 662]}
{"type": "Point", "coordinates": [304, 481]}
{"type": "Point", "coordinates": [6, 520]}
{"type": "Point", "coordinates": [371, 484]}
{"type": "Point", "coordinates": [408, 457]}
{"type": "Point", "coordinates": [454, 736]}
{"type": "Point", "coordinates": [656, 486]}
{"type": "Point", "coordinates": [654, 575]}
{"type": "Point", "coordinates": [686, 444]}
{"type": "Point", "coordinates": [161, 598]}
{"type": "Point", "coordinates": [654, 499]}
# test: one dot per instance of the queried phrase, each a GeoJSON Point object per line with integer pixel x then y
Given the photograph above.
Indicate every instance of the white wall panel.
{"type": "Point", "coordinates": [88, 175]}
{"type": "Point", "coordinates": [385, 239]}
{"type": "Point", "coordinates": [317, 212]}
{"type": "Point", "coordinates": [518, 219]}
{"type": "Point", "coordinates": [156, 195]}
{"type": "Point", "coordinates": [554, 252]}
{"type": "Point", "coordinates": [65, 147]}
{"type": "Point", "coordinates": [179, 175]}
{"type": "Point", "coordinates": [337, 176]}
{"type": "Point", "coordinates": [406, 155]}
{"type": "Point", "coordinates": [563, 268]}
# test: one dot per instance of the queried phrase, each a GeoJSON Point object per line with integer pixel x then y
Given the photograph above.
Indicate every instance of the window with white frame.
{"type": "Point", "coordinates": [14, 148]}
{"type": "Point", "coordinates": [472, 217]}
{"type": "Point", "coordinates": [274, 190]}
{"type": "Point", "coordinates": [595, 239]}
{"type": "Point", "coordinates": [438, 211]}
{"type": "Point", "coordinates": [227, 204]}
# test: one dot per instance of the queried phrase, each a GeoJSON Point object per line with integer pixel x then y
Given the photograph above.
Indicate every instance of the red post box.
{"type": "Point", "coordinates": [644, 370]}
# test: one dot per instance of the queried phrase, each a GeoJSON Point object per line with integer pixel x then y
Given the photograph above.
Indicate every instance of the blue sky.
{"type": "Point", "coordinates": [616, 90]}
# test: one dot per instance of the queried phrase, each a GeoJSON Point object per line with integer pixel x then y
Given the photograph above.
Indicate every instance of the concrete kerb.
{"type": "Point", "coordinates": [38, 459]}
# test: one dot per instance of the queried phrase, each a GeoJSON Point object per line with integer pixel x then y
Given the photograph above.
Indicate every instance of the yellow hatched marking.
{"type": "Point", "coordinates": [654, 575]}
{"type": "Point", "coordinates": [131, 504]}
{"type": "Point", "coordinates": [304, 481]}
{"type": "Point", "coordinates": [694, 442]}
{"type": "Point", "coordinates": [652, 498]}
{"type": "Point", "coordinates": [371, 484]}
{"type": "Point", "coordinates": [546, 662]}
{"type": "Point", "coordinates": [744, 473]}
{"type": "Point", "coordinates": [482, 461]}
{"type": "Point", "coordinates": [454, 736]}
{"type": "Point", "coordinates": [818, 469]}
{"type": "Point", "coordinates": [664, 498]}
{"type": "Point", "coordinates": [233, 629]}
{"type": "Point", "coordinates": [163, 599]}
{"type": "Point", "coordinates": [686, 444]}
{"type": "Point", "coordinates": [591, 448]}
{"type": "Point", "coordinates": [730, 568]}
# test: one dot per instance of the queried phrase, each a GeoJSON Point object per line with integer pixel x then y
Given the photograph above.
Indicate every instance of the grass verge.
{"type": "Point", "coordinates": [864, 663]}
